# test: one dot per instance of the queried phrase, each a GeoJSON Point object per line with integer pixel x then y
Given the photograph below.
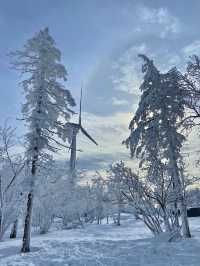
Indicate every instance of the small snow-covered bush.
{"type": "Point", "coordinates": [150, 203]}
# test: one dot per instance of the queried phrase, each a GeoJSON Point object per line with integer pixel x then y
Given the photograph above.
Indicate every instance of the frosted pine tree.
{"type": "Point", "coordinates": [47, 101]}
{"type": "Point", "coordinates": [155, 136]}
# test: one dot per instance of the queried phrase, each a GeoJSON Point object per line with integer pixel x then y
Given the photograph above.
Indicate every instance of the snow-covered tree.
{"type": "Point", "coordinates": [191, 83]}
{"type": "Point", "coordinates": [115, 185]}
{"type": "Point", "coordinates": [47, 104]}
{"type": "Point", "coordinates": [11, 179]}
{"type": "Point", "coordinates": [88, 214]}
{"type": "Point", "coordinates": [99, 196]}
{"type": "Point", "coordinates": [155, 136]}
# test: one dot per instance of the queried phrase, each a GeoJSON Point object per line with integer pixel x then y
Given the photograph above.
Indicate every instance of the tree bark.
{"type": "Point", "coordinates": [28, 219]}
{"type": "Point", "coordinates": [176, 223]}
{"type": "Point", "coordinates": [107, 219]}
{"type": "Point", "coordinates": [178, 184]}
{"type": "Point", "coordinates": [13, 233]}
{"type": "Point", "coordinates": [185, 223]}
{"type": "Point", "coordinates": [166, 221]}
{"type": "Point", "coordinates": [119, 217]}
{"type": "Point", "coordinates": [27, 225]}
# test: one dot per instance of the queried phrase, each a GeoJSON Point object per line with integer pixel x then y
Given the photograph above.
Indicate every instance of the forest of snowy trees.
{"type": "Point", "coordinates": [36, 190]}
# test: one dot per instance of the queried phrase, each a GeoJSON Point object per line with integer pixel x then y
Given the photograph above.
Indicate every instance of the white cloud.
{"type": "Point", "coordinates": [191, 49]}
{"type": "Point", "coordinates": [174, 60]}
{"type": "Point", "coordinates": [126, 74]}
{"type": "Point", "coordinates": [109, 132]}
{"type": "Point", "coordinates": [160, 17]}
{"type": "Point", "coordinates": [118, 102]}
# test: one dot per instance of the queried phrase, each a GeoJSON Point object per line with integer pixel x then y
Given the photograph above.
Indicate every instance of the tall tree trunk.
{"type": "Point", "coordinates": [179, 185]}
{"type": "Point", "coordinates": [107, 219]}
{"type": "Point", "coordinates": [13, 233]}
{"type": "Point", "coordinates": [185, 223]}
{"type": "Point", "coordinates": [28, 219]}
{"type": "Point", "coordinates": [176, 219]}
{"type": "Point", "coordinates": [176, 184]}
{"type": "Point", "coordinates": [166, 220]}
{"type": "Point", "coordinates": [184, 217]}
{"type": "Point", "coordinates": [119, 216]}
{"type": "Point", "coordinates": [27, 225]}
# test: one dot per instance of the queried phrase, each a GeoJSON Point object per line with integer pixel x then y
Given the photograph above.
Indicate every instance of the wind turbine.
{"type": "Point", "coordinates": [75, 128]}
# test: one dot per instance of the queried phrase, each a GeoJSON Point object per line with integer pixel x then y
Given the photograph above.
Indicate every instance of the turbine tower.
{"type": "Point", "coordinates": [75, 128]}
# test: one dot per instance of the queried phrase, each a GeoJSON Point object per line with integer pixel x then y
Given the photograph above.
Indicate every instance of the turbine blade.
{"type": "Point", "coordinates": [80, 109]}
{"type": "Point", "coordinates": [87, 135]}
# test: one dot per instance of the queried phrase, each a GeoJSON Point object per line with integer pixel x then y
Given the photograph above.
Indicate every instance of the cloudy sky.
{"type": "Point", "coordinates": [99, 41]}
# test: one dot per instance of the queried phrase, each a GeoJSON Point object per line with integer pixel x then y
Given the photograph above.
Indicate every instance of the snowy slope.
{"type": "Point", "coordinates": [130, 244]}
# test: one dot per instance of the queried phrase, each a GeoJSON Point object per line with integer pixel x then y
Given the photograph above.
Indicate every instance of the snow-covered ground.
{"type": "Point", "coordinates": [129, 244]}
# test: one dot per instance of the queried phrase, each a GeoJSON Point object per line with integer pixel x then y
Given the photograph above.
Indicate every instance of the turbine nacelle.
{"type": "Point", "coordinates": [73, 130]}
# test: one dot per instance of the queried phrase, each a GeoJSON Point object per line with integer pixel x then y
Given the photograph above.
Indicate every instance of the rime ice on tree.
{"type": "Point", "coordinates": [47, 101]}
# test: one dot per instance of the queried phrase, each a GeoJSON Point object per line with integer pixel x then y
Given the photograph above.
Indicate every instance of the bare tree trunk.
{"type": "Point", "coordinates": [13, 233]}
{"type": "Point", "coordinates": [27, 226]}
{"type": "Point", "coordinates": [166, 221]}
{"type": "Point", "coordinates": [175, 184]}
{"type": "Point", "coordinates": [107, 219]}
{"type": "Point", "coordinates": [119, 217]}
{"type": "Point", "coordinates": [185, 223]}
{"type": "Point", "coordinates": [176, 223]}
{"type": "Point", "coordinates": [179, 186]}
